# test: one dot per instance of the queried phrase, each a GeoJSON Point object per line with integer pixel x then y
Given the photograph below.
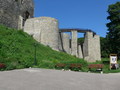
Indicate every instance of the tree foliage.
{"type": "Point", "coordinates": [113, 34]}
{"type": "Point", "coordinates": [104, 47]}
{"type": "Point", "coordinates": [80, 41]}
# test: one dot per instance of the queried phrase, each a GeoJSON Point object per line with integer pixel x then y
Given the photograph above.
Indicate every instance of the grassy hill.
{"type": "Point", "coordinates": [17, 50]}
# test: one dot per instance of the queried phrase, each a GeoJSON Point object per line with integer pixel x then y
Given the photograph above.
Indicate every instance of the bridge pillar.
{"type": "Point", "coordinates": [74, 45]}
{"type": "Point", "coordinates": [80, 54]}
{"type": "Point", "coordinates": [66, 42]}
{"type": "Point", "coordinates": [91, 47]}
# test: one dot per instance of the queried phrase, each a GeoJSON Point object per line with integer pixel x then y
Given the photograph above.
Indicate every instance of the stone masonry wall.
{"type": "Point", "coordinates": [91, 47]}
{"type": "Point", "coordinates": [74, 44]}
{"type": "Point", "coordinates": [44, 30]}
{"type": "Point", "coordinates": [10, 10]}
{"type": "Point", "coordinates": [80, 52]}
{"type": "Point", "coordinates": [66, 42]}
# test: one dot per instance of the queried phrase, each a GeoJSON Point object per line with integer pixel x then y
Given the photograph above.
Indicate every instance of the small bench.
{"type": "Point", "coordinates": [98, 67]}
{"type": "Point", "coordinates": [60, 65]}
{"type": "Point", "coordinates": [75, 66]}
{"type": "Point", "coordinates": [2, 65]}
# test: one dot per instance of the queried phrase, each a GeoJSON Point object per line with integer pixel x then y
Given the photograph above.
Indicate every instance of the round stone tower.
{"type": "Point", "coordinates": [14, 13]}
{"type": "Point", "coordinates": [49, 32]}
{"type": "Point", "coordinates": [44, 30]}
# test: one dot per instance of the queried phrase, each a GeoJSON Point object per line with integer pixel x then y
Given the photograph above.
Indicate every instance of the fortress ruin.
{"type": "Point", "coordinates": [46, 31]}
{"type": "Point", "coordinates": [19, 14]}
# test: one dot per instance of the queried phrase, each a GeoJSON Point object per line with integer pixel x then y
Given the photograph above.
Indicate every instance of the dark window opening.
{"type": "Point", "coordinates": [16, 0]}
{"type": "Point", "coordinates": [26, 15]}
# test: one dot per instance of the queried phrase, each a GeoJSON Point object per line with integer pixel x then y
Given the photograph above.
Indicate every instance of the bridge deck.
{"type": "Point", "coordinates": [78, 30]}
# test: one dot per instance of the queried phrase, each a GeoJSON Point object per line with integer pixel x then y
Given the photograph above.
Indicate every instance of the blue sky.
{"type": "Point", "coordinates": [85, 14]}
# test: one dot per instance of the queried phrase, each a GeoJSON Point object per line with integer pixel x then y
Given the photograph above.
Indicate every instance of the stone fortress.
{"type": "Point", "coordinates": [19, 14]}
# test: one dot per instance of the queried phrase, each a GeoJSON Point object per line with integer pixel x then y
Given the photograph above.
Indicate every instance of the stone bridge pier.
{"type": "Point", "coordinates": [74, 44]}
{"type": "Point", "coordinates": [69, 43]}
{"type": "Point", "coordinates": [89, 50]}
{"type": "Point", "coordinates": [91, 47]}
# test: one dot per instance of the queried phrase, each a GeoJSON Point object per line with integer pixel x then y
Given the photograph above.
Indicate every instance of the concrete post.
{"type": "Point", "coordinates": [74, 45]}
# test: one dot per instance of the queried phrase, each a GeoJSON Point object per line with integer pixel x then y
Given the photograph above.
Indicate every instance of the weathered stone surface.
{"type": "Point", "coordinates": [29, 26]}
{"type": "Point", "coordinates": [91, 47]}
{"type": "Point", "coordinates": [44, 30]}
{"type": "Point", "coordinates": [13, 13]}
{"type": "Point", "coordinates": [74, 45]}
{"type": "Point", "coordinates": [66, 42]}
{"type": "Point", "coordinates": [97, 51]}
{"type": "Point", "coordinates": [60, 42]}
{"type": "Point", "coordinates": [80, 53]}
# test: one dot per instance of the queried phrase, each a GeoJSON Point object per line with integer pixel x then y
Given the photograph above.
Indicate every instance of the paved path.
{"type": "Point", "coordinates": [44, 79]}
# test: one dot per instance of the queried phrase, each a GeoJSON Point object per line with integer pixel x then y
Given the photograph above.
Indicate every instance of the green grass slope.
{"type": "Point", "coordinates": [17, 51]}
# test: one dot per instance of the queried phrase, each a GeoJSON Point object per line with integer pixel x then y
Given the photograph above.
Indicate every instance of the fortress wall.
{"type": "Point", "coordinates": [8, 17]}
{"type": "Point", "coordinates": [29, 27]}
{"type": "Point", "coordinates": [11, 10]}
{"type": "Point", "coordinates": [32, 27]}
{"type": "Point", "coordinates": [44, 30]}
{"type": "Point", "coordinates": [49, 32]}
{"type": "Point", "coordinates": [27, 5]}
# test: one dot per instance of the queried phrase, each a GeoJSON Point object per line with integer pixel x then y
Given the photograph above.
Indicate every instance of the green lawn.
{"type": "Point", "coordinates": [17, 50]}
